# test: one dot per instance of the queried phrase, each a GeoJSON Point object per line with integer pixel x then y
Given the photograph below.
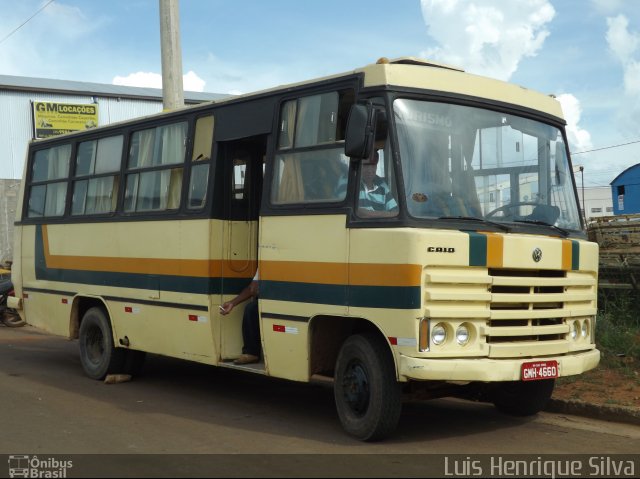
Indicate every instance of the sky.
{"type": "Point", "coordinates": [585, 52]}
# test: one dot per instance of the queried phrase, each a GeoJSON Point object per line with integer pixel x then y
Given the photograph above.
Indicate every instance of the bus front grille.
{"type": "Point", "coordinates": [515, 310]}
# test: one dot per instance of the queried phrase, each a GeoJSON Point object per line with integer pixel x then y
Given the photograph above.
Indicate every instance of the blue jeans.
{"type": "Point", "coordinates": [251, 329]}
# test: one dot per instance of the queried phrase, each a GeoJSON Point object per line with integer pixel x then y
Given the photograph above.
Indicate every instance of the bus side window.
{"type": "Point", "coordinates": [200, 163]}
{"type": "Point", "coordinates": [310, 166]}
{"type": "Point", "coordinates": [156, 157]}
{"type": "Point", "coordinates": [95, 190]}
{"type": "Point", "coordinates": [48, 192]}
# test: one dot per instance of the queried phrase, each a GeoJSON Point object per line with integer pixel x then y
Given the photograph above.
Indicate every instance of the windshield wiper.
{"type": "Point", "coordinates": [562, 231]}
{"type": "Point", "coordinates": [474, 218]}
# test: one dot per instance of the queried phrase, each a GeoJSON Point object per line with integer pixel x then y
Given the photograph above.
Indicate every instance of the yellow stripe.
{"type": "Point", "coordinates": [567, 254]}
{"type": "Point", "coordinates": [495, 250]}
{"type": "Point", "coordinates": [364, 274]}
{"type": "Point", "coordinates": [164, 266]}
{"type": "Point", "coordinates": [304, 272]}
{"type": "Point", "coordinates": [385, 274]}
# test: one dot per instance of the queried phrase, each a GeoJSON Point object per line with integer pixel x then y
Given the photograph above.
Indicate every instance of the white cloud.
{"type": "Point", "coordinates": [141, 79]}
{"type": "Point", "coordinates": [191, 81]}
{"type": "Point", "coordinates": [488, 37]}
{"type": "Point", "coordinates": [625, 45]}
{"type": "Point", "coordinates": [69, 22]}
{"type": "Point", "coordinates": [622, 42]}
{"type": "Point", "coordinates": [579, 138]}
{"type": "Point", "coordinates": [607, 6]}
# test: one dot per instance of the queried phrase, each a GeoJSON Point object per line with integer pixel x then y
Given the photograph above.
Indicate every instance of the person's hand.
{"type": "Point", "coordinates": [226, 308]}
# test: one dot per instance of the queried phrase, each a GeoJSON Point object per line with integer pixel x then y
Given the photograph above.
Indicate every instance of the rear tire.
{"type": "Point", "coordinates": [523, 398]}
{"type": "Point", "coordinates": [368, 397]}
{"type": "Point", "coordinates": [98, 354]}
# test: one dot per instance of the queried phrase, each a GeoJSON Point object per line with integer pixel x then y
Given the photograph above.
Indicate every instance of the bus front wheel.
{"type": "Point", "coordinates": [98, 354]}
{"type": "Point", "coordinates": [368, 397]}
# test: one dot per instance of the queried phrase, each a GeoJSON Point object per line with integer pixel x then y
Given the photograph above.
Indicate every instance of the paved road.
{"type": "Point", "coordinates": [48, 407]}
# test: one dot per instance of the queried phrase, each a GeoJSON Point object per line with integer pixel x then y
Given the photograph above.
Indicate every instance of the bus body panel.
{"type": "Point", "coordinates": [150, 277]}
{"type": "Point", "coordinates": [303, 273]}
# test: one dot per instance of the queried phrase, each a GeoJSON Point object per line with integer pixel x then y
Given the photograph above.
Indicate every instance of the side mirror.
{"type": "Point", "coordinates": [360, 134]}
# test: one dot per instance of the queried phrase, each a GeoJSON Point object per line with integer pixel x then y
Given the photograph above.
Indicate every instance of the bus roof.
{"type": "Point", "coordinates": [405, 72]}
{"type": "Point", "coordinates": [411, 72]}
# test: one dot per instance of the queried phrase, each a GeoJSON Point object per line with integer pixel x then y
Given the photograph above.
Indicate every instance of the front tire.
{"type": "Point", "coordinates": [523, 398]}
{"type": "Point", "coordinates": [98, 354]}
{"type": "Point", "coordinates": [368, 397]}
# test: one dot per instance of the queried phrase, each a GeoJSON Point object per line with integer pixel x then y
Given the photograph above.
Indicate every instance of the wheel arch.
{"type": "Point", "coordinates": [328, 333]}
{"type": "Point", "coordinates": [81, 304]}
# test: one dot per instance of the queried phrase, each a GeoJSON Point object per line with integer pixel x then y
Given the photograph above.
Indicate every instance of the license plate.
{"type": "Point", "coordinates": [535, 371]}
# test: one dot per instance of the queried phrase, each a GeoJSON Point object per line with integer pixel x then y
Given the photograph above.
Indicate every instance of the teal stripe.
{"type": "Point", "coordinates": [477, 249]}
{"type": "Point", "coordinates": [178, 284]}
{"type": "Point", "coordinates": [575, 255]}
{"type": "Point", "coordinates": [391, 297]}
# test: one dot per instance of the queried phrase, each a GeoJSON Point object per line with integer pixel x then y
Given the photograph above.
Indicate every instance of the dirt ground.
{"type": "Point", "coordinates": [616, 384]}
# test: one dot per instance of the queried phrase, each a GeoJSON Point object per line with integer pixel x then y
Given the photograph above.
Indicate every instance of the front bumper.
{"type": "Point", "coordinates": [489, 370]}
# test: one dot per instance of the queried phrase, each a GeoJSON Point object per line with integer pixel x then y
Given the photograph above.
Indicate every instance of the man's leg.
{"type": "Point", "coordinates": [251, 329]}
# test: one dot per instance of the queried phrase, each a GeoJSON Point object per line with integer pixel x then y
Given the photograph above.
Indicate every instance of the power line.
{"type": "Point", "coordinates": [606, 147]}
{"type": "Point", "coordinates": [27, 20]}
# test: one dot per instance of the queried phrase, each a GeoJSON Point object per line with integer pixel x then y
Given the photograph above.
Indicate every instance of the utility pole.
{"type": "Point", "coordinates": [172, 89]}
{"type": "Point", "coordinates": [584, 207]}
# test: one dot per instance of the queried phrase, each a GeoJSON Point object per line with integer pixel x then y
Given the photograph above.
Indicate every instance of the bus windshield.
{"type": "Point", "coordinates": [461, 161]}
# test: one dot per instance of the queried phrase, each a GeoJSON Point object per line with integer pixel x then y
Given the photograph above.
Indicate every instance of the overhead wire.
{"type": "Point", "coordinates": [26, 21]}
{"type": "Point", "coordinates": [606, 147]}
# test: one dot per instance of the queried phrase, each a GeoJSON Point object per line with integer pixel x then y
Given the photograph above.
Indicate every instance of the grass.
{"type": "Point", "coordinates": [618, 329]}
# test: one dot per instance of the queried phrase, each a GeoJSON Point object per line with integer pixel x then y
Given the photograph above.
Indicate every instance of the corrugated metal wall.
{"type": "Point", "coordinates": [16, 127]}
{"type": "Point", "coordinates": [9, 191]}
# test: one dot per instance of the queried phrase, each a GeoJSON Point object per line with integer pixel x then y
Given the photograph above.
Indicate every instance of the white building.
{"type": "Point", "coordinates": [597, 201]}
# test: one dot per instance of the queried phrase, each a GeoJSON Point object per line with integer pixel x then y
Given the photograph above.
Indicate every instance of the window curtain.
{"type": "Point", "coordinates": [308, 120]}
{"type": "Point", "coordinates": [145, 149]}
{"type": "Point", "coordinates": [175, 188]}
{"type": "Point", "coordinates": [287, 128]}
{"type": "Point", "coordinates": [59, 162]}
{"type": "Point", "coordinates": [173, 144]}
{"type": "Point", "coordinates": [290, 189]}
{"type": "Point", "coordinates": [467, 187]}
{"type": "Point", "coordinates": [102, 195]}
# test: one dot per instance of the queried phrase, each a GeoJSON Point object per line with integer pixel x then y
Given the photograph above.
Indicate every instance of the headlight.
{"type": "Point", "coordinates": [585, 328]}
{"type": "Point", "coordinates": [439, 334]}
{"type": "Point", "coordinates": [575, 326]}
{"type": "Point", "coordinates": [462, 335]}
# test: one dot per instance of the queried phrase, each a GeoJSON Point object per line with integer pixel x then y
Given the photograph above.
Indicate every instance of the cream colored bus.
{"type": "Point", "coordinates": [416, 227]}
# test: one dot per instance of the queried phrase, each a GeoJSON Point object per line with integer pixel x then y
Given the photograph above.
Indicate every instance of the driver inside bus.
{"type": "Point", "coordinates": [375, 198]}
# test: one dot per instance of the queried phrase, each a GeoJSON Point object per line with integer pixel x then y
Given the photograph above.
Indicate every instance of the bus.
{"type": "Point", "coordinates": [463, 271]}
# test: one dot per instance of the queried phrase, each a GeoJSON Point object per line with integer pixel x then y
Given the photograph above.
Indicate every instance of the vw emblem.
{"type": "Point", "coordinates": [537, 255]}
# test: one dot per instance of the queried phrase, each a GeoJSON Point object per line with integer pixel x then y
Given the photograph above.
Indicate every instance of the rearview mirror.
{"type": "Point", "coordinates": [360, 134]}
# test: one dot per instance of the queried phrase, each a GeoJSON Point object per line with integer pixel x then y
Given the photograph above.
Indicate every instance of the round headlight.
{"type": "Point", "coordinates": [585, 328]}
{"type": "Point", "coordinates": [439, 334]}
{"type": "Point", "coordinates": [575, 326]}
{"type": "Point", "coordinates": [462, 335]}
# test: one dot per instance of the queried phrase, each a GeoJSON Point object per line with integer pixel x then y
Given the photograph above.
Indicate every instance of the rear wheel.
{"type": "Point", "coordinates": [368, 397]}
{"type": "Point", "coordinates": [523, 398]}
{"type": "Point", "coordinates": [98, 354]}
